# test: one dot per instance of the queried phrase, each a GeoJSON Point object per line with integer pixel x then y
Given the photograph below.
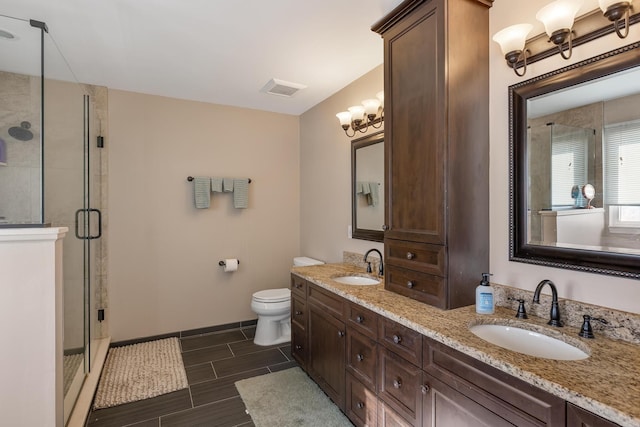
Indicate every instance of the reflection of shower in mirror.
{"type": "Point", "coordinates": [22, 132]}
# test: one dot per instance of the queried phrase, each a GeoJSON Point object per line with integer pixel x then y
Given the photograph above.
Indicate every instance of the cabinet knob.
{"type": "Point", "coordinates": [397, 339]}
{"type": "Point", "coordinates": [397, 383]}
{"type": "Point", "coordinates": [359, 405]}
{"type": "Point", "coordinates": [298, 285]}
{"type": "Point", "coordinates": [385, 227]}
{"type": "Point", "coordinates": [425, 388]}
{"type": "Point", "coordinates": [298, 312]}
{"type": "Point", "coordinates": [359, 357]}
{"type": "Point", "coordinates": [341, 334]}
{"type": "Point", "coordinates": [298, 347]}
{"type": "Point", "coordinates": [410, 284]}
{"type": "Point", "coordinates": [359, 319]}
{"type": "Point", "coordinates": [411, 255]}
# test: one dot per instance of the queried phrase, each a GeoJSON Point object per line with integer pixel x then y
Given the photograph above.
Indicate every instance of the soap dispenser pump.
{"type": "Point", "coordinates": [485, 303]}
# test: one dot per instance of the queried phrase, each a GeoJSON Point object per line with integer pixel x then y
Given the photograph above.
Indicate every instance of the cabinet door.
{"type": "Point", "coordinates": [299, 345]}
{"type": "Point", "coordinates": [362, 357]}
{"type": "Point", "coordinates": [445, 407]}
{"type": "Point", "coordinates": [362, 403]}
{"type": "Point", "coordinates": [578, 417]}
{"type": "Point", "coordinates": [415, 131]}
{"type": "Point", "coordinates": [326, 355]}
{"type": "Point", "coordinates": [400, 385]}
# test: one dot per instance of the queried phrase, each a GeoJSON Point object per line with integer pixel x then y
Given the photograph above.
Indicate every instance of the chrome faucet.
{"type": "Point", "coordinates": [554, 317]}
{"type": "Point", "coordinates": [380, 266]}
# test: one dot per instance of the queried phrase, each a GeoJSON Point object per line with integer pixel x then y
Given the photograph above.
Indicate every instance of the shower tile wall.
{"type": "Point", "coordinates": [20, 178]}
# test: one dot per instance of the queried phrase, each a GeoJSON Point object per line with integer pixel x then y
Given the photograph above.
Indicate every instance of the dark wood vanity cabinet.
{"type": "Point", "coordinates": [436, 148]}
{"type": "Point", "coordinates": [299, 318]}
{"type": "Point", "coordinates": [327, 342]}
{"type": "Point", "coordinates": [578, 417]}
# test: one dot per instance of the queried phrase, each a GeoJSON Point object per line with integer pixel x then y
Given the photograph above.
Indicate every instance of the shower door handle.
{"type": "Point", "coordinates": [88, 211]}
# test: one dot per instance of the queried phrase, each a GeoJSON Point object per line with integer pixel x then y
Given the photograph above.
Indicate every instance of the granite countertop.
{"type": "Point", "coordinates": [607, 383]}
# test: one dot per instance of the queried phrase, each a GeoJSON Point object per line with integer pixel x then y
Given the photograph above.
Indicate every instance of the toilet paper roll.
{"type": "Point", "coordinates": [230, 265]}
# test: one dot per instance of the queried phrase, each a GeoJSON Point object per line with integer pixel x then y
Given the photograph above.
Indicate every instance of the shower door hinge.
{"type": "Point", "coordinates": [100, 314]}
{"type": "Point", "coordinates": [100, 141]}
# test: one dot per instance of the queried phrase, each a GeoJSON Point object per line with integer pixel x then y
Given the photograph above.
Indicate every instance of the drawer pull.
{"type": "Point", "coordinates": [425, 388]}
{"type": "Point", "coordinates": [298, 285]}
{"type": "Point", "coordinates": [410, 284]}
{"type": "Point", "coordinates": [359, 357]}
{"type": "Point", "coordinates": [397, 339]}
{"type": "Point", "coordinates": [397, 383]}
{"type": "Point", "coordinates": [298, 312]}
{"type": "Point", "coordinates": [411, 255]}
{"type": "Point", "coordinates": [298, 347]}
{"type": "Point", "coordinates": [341, 334]}
{"type": "Point", "coordinates": [359, 319]}
{"type": "Point", "coordinates": [359, 405]}
{"type": "Point", "coordinates": [385, 227]}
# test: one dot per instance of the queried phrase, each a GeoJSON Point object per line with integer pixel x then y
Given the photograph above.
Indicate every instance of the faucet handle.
{"type": "Point", "coordinates": [522, 313]}
{"type": "Point", "coordinates": [586, 331]}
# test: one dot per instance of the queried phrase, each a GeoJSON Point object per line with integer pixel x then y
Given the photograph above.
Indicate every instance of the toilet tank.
{"type": "Point", "coordinates": [303, 261]}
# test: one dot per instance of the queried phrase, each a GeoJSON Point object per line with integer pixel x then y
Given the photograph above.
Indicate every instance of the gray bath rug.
{"type": "Point", "coordinates": [140, 371]}
{"type": "Point", "coordinates": [289, 399]}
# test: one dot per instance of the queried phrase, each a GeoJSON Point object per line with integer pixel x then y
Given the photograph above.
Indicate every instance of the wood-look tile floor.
{"type": "Point", "coordinates": [214, 362]}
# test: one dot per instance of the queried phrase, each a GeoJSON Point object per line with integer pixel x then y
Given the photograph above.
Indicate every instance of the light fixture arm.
{"type": "Point", "coordinates": [559, 38]}
{"type": "Point", "coordinates": [613, 13]}
{"type": "Point", "coordinates": [513, 58]}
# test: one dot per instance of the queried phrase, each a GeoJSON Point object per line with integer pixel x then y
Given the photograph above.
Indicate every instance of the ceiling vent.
{"type": "Point", "coordinates": [281, 88]}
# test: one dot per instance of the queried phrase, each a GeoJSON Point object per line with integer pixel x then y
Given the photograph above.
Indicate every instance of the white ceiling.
{"type": "Point", "coordinates": [217, 51]}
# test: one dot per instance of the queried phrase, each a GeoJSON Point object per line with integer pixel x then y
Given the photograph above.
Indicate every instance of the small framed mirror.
{"type": "Point", "coordinates": [367, 187]}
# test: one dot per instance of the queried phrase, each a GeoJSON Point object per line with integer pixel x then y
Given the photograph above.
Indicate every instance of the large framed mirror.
{"type": "Point", "coordinates": [367, 187]}
{"type": "Point", "coordinates": [575, 166]}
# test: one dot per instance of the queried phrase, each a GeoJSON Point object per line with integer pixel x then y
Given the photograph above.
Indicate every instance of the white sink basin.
{"type": "Point", "coordinates": [356, 280]}
{"type": "Point", "coordinates": [528, 342]}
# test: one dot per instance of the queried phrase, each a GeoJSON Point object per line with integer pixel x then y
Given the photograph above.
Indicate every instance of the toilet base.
{"type": "Point", "coordinates": [271, 332]}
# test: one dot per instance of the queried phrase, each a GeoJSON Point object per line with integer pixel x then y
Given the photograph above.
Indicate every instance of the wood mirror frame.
{"type": "Point", "coordinates": [520, 250]}
{"type": "Point", "coordinates": [356, 232]}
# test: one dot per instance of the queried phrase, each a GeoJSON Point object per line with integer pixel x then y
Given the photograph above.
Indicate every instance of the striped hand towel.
{"type": "Point", "coordinates": [241, 193]}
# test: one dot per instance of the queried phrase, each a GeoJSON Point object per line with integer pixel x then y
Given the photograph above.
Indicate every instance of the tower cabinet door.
{"type": "Point", "coordinates": [415, 126]}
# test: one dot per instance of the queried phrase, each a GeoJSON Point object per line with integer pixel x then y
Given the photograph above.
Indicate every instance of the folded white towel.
{"type": "Point", "coordinates": [358, 187]}
{"type": "Point", "coordinates": [366, 188]}
{"type": "Point", "coordinates": [227, 185]}
{"type": "Point", "coordinates": [241, 193]}
{"type": "Point", "coordinates": [216, 185]}
{"type": "Point", "coordinates": [202, 191]}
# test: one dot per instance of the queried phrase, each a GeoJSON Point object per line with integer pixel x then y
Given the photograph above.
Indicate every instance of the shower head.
{"type": "Point", "coordinates": [21, 133]}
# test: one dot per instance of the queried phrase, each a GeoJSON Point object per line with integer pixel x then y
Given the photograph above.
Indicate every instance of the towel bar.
{"type": "Point", "coordinates": [190, 178]}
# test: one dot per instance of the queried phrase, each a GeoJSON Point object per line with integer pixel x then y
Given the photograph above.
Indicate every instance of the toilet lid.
{"type": "Point", "coordinates": [273, 295]}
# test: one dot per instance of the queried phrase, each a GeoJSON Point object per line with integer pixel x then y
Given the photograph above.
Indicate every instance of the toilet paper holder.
{"type": "Point", "coordinates": [222, 263]}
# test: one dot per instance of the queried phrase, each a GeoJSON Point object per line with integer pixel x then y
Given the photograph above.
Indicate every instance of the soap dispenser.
{"type": "Point", "coordinates": [485, 303]}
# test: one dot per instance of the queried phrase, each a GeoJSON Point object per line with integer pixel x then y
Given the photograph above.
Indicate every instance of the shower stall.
{"type": "Point", "coordinates": [50, 175]}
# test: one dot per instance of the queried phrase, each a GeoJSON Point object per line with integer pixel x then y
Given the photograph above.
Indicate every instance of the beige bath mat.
{"type": "Point", "coordinates": [140, 371]}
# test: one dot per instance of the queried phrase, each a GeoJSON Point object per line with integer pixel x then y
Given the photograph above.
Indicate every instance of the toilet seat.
{"type": "Point", "coordinates": [273, 295]}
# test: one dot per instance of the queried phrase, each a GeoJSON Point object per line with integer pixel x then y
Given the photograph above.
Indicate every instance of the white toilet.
{"type": "Point", "coordinates": [273, 307]}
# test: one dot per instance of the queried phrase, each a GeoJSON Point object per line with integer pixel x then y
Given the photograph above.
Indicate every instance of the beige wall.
{"type": "Point", "coordinates": [325, 173]}
{"type": "Point", "coordinates": [623, 294]}
{"type": "Point", "coordinates": [163, 253]}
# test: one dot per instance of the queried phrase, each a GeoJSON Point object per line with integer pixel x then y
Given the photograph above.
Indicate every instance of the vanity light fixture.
{"type": "Point", "coordinates": [558, 18]}
{"type": "Point", "coordinates": [617, 11]}
{"type": "Point", "coordinates": [564, 31]}
{"type": "Point", "coordinates": [359, 117]}
{"type": "Point", "coordinates": [512, 41]}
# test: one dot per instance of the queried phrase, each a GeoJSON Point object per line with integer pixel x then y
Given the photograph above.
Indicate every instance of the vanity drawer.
{"type": "Point", "coordinates": [422, 257]}
{"type": "Point", "coordinates": [298, 312]}
{"type": "Point", "coordinates": [331, 303]}
{"type": "Point", "coordinates": [400, 385]}
{"type": "Point", "coordinates": [362, 404]}
{"type": "Point", "coordinates": [401, 340]}
{"type": "Point", "coordinates": [365, 321]}
{"type": "Point", "coordinates": [418, 286]}
{"type": "Point", "coordinates": [298, 286]}
{"type": "Point", "coordinates": [299, 345]}
{"type": "Point", "coordinates": [362, 357]}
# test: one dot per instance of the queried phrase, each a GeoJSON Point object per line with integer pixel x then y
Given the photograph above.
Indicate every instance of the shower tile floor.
{"type": "Point", "coordinates": [214, 362]}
